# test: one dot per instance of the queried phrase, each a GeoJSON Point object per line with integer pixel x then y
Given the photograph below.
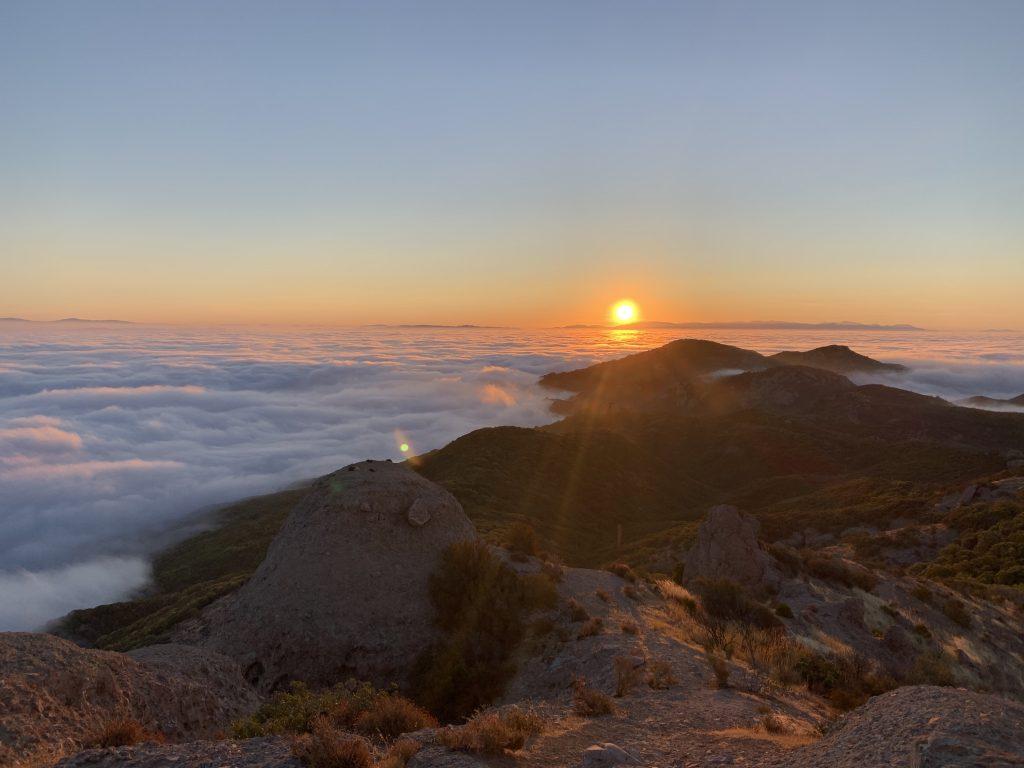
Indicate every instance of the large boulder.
{"type": "Point", "coordinates": [55, 695]}
{"type": "Point", "coordinates": [727, 548]}
{"type": "Point", "coordinates": [343, 590]}
{"type": "Point", "coordinates": [919, 727]}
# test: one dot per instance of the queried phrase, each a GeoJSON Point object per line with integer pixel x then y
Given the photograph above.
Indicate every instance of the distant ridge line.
{"type": "Point", "coordinates": [755, 324]}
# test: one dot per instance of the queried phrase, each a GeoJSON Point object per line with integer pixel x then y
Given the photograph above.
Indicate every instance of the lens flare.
{"type": "Point", "coordinates": [404, 447]}
{"type": "Point", "coordinates": [625, 311]}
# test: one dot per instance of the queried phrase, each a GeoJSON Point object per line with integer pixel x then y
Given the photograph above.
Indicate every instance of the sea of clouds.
{"type": "Point", "coordinates": [111, 438]}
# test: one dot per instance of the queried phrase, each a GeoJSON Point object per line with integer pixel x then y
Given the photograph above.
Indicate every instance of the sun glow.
{"type": "Point", "coordinates": [625, 311]}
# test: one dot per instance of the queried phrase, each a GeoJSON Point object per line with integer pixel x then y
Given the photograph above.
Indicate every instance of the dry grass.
{"type": "Point", "coordinates": [576, 611]}
{"type": "Point", "coordinates": [630, 591]}
{"type": "Point", "coordinates": [629, 627]}
{"type": "Point", "coordinates": [399, 753]}
{"type": "Point", "coordinates": [391, 716]}
{"type": "Point", "coordinates": [720, 668]}
{"type": "Point", "coordinates": [590, 702]}
{"type": "Point", "coordinates": [327, 747]}
{"type": "Point", "coordinates": [591, 627]}
{"type": "Point", "coordinates": [603, 596]}
{"type": "Point", "coordinates": [491, 733]}
{"type": "Point", "coordinates": [122, 732]}
{"type": "Point", "coordinates": [623, 571]}
{"type": "Point", "coordinates": [772, 723]}
{"type": "Point", "coordinates": [678, 595]}
{"type": "Point", "coordinates": [627, 674]}
{"type": "Point", "coordinates": [659, 675]}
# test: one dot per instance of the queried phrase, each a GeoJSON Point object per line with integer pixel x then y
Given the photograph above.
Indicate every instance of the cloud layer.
{"type": "Point", "coordinates": [109, 436]}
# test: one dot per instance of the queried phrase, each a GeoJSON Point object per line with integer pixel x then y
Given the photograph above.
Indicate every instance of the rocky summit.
{"type": "Point", "coordinates": [343, 589]}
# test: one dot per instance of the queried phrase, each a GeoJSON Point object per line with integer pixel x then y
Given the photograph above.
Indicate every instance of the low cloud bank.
{"type": "Point", "coordinates": [108, 437]}
{"type": "Point", "coordinates": [32, 598]}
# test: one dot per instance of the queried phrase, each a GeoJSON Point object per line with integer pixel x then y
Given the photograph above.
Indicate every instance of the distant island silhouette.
{"type": "Point", "coordinates": [753, 324]}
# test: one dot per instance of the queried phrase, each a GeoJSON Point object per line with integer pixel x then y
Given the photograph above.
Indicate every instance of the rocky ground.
{"type": "Point", "coordinates": [634, 640]}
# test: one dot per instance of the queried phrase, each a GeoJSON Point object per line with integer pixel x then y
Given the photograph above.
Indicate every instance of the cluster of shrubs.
{"type": "Point", "coordinates": [333, 728]}
{"type": "Point", "coordinates": [122, 732]}
{"type": "Point", "coordinates": [491, 733]}
{"type": "Point", "coordinates": [480, 605]}
{"type": "Point", "coordinates": [728, 622]}
{"type": "Point", "coordinates": [989, 548]}
{"type": "Point", "coordinates": [351, 706]}
{"type": "Point", "coordinates": [327, 747]}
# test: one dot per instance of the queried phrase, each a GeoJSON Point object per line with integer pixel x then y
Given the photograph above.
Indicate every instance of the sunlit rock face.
{"type": "Point", "coordinates": [343, 591]}
{"type": "Point", "coordinates": [727, 548]}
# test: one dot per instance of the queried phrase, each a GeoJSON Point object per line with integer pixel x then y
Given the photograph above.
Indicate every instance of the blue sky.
{"type": "Point", "coordinates": [512, 162]}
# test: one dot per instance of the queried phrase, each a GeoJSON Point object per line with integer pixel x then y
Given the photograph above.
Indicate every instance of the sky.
{"type": "Point", "coordinates": [521, 163]}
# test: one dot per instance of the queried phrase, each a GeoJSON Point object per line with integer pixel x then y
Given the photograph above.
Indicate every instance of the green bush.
{"type": "Point", "coordinates": [352, 705]}
{"type": "Point", "coordinates": [480, 606]}
{"type": "Point", "coordinates": [784, 611]}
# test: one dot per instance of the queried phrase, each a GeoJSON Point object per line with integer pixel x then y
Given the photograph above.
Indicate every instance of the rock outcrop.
{"type": "Point", "coordinates": [55, 695]}
{"type": "Point", "coordinates": [343, 591]}
{"type": "Point", "coordinates": [727, 548]}
{"type": "Point", "coordinates": [921, 727]}
{"type": "Point", "coordinates": [275, 752]}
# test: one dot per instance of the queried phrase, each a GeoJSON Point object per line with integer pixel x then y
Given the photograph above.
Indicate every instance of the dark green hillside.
{"type": "Point", "coordinates": [575, 488]}
{"type": "Point", "coordinates": [188, 576]}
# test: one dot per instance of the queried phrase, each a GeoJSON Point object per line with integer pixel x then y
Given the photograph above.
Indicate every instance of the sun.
{"type": "Point", "coordinates": [625, 311]}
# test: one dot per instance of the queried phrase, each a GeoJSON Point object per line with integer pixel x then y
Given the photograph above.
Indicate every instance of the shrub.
{"type": "Point", "coordinates": [659, 675]}
{"type": "Point", "coordinates": [840, 572]}
{"type": "Point", "coordinates": [956, 611]}
{"type": "Point", "coordinates": [491, 733]}
{"type": "Point", "coordinates": [576, 611]}
{"type": "Point", "coordinates": [122, 732]}
{"type": "Point", "coordinates": [788, 558]}
{"type": "Point", "coordinates": [603, 596]}
{"type": "Point", "coordinates": [630, 591]}
{"type": "Point", "coordinates": [784, 611]}
{"type": "Point", "coordinates": [933, 668]}
{"type": "Point", "coordinates": [922, 593]}
{"type": "Point", "coordinates": [772, 723]}
{"type": "Point", "coordinates": [623, 571]}
{"type": "Point", "coordinates": [627, 675]}
{"type": "Point", "coordinates": [720, 668]}
{"type": "Point", "coordinates": [590, 702]}
{"type": "Point", "coordinates": [678, 571]}
{"type": "Point", "coordinates": [591, 627]}
{"type": "Point", "coordinates": [630, 627]}
{"type": "Point", "coordinates": [326, 747]}
{"type": "Point", "coordinates": [845, 679]}
{"type": "Point", "coordinates": [351, 705]}
{"type": "Point", "coordinates": [677, 594]}
{"type": "Point", "coordinates": [480, 605]}
{"type": "Point", "coordinates": [521, 539]}
{"type": "Point", "coordinates": [399, 753]}
{"type": "Point", "coordinates": [922, 630]}
{"type": "Point", "coordinates": [291, 711]}
{"type": "Point", "coordinates": [391, 716]}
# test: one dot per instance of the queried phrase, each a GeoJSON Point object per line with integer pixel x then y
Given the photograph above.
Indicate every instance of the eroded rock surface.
{"type": "Point", "coordinates": [54, 695]}
{"type": "Point", "coordinates": [727, 548]}
{"type": "Point", "coordinates": [343, 591]}
{"type": "Point", "coordinates": [921, 727]}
